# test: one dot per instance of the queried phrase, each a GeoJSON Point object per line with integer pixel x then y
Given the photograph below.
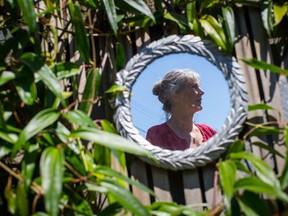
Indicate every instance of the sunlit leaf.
{"type": "Point", "coordinates": [214, 30]}
{"type": "Point", "coordinates": [227, 171]}
{"type": "Point", "coordinates": [112, 15]}
{"type": "Point", "coordinates": [191, 13]}
{"type": "Point", "coordinates": [261, 65]}
{"type": "Point", "coordinates": [256, 185]}
{"type": "Point", "coordinates": [26, 86]}
{"type": "Point", "coordinates": [79, 118]}
{"type": "Point", "coordinates": [65, 69]}
{"type": "Point", "coordinates": [109, 140]}
{"type": "Point", "coordinates": [22, 200]}
{"type": "Point", "coordinates": [52, 171]}
{"type": "Point", "coordinates": [284, 175]}
{"type": "Point", "coordinates": [229, 24]}
{"type": "Point", "coordinates": [10, 197]}
{"type": "Point", "coordinates": [44, 73]}
{"type": "Point", "coordinates": [115, 89]}
{"type": "Point", "coordinates": [279, 12]}
{"type": "Point", "coordinates": [27, 7]}
{"type": "Point", "coordinates": [113, 174]}
{"type": "Point", "coordinates": [141, 6]}
{"type": "Point", "coordinates": [264, 172]}
{"type": "Point", "coordinates": [121, 194]}
{"type": "Point", "coordinates": [6, 76]}
{"type": "Point", "coordinates": [81, 37]}
{"type": "Point", "coordinates": [28, 163]}
{"type": "Point", "coordinates": [259, 107]}
{"type": "Point", "coordinates": [91, 91]}
{"type": "Point", "coordinates": [39, 122]}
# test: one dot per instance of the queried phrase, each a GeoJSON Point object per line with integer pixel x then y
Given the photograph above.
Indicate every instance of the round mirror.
{"type": "Point", "coordinates": [147, 110]}
{"type": "Point", "coordinates": [194, 48]}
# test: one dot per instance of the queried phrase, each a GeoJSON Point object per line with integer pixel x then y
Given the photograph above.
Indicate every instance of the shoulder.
{"type": "Point", "coordinates": [157, 128]}
{"type": "Point", "coordinates": [206, 129]}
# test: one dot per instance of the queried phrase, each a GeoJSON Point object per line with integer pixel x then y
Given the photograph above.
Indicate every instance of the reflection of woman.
{"type": "Point", "coordinates": [181, 95]}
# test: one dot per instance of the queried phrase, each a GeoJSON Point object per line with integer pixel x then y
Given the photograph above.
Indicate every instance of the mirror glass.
{"type": "Point", "coordinates": [146, 109]}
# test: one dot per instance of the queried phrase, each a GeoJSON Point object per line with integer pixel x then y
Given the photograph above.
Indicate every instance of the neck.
{"type": "Point", "coordinates": [181, 122]}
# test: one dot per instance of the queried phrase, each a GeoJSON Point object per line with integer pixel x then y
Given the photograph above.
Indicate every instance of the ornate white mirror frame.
{"type": "Point", "coordinates": [218, 144]}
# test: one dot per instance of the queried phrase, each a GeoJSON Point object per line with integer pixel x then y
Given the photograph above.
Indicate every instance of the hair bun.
{"type": "Point", "coordinates": [157, 88]}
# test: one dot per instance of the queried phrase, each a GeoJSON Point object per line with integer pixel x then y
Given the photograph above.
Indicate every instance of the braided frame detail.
{"type": "Point", "coordinates": [213, 148]}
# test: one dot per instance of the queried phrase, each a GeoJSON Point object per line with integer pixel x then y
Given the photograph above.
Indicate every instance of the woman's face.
{"type": "Point", "coordinates": [189, 98]}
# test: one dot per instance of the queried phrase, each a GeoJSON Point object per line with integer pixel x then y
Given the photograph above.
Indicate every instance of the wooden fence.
{"type": "Point", "coordinates": [200, 185]}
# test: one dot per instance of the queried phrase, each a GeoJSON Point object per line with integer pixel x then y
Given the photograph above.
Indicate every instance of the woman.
{"type": "Point", "coordinates": [181, 95]}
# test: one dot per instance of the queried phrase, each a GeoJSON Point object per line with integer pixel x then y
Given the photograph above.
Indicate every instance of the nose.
{"type": "Point", "coordinates": [201, 92]}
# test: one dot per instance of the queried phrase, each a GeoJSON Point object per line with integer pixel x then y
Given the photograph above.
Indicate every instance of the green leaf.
{"type": "Point", "coordinates": [141, 6]}
{"type": "Point", "coordinates": [208, 4]}
{"type": "Point", "coordinates": [80, 205]}
{"type": "Point", "coordinates": [65, 70]}
{"type": "Point", "coordinates": [235, 147]}
{"type": "Point", "coordinates": [227, 173]}
{"type": "Point", "coordinates": [26, 86]}
{"type": "Point", "coordinates": [266, 181]}
{"type": "Point", "coordinates": [264, 172]}
{"type": "Point", "coordinates": [261, 65]}
{"type": "Point", "coordinates": [268, 148]}
{"type": "Point", "coordinates": [122, 195]}
{"type": "Point", "coordinates": [265, 130]}
{"type": "Point", "coordinates": [6, 76]}
{"type": "Point", "coordinates": [112, 15]}
{"type": "Point", "coordinates": [256, 185]}
{"type": "Point", "coordinates": [120, 56]}
{"type": "Point", "coordinates": [191, 13]}
{"type": "Point", "coordinates": [108, 126]}
{"type": "Point", "coordinates": [44, 73]}
{"type": "Point", "coordinates": [111, 210]}
{"type": "Point", "coordinates": [252, 205]}
{"type": "Point", "coordinates": [91, 91]}
{"type": "Point", "coordinates": [10, 198]}
{"type": "Point", "coordinates": [39, 122]}
{"type": "Point", "coordinates": [115, 89]}
{"type": "Point", "coordinates": [259, 107]}
{"type": "Point", "coordinates": [22, 200]}
{"type": "Point", "coordinates": [81, 38]}
{"type": "Point", "coordinates": [177, 18]}
{"type": "Point", "coordinates": [52, 171]}
{"type": "Point", "coordinates": [79, 118]}
{"type": "Point", "coordinates": [27, 7]}
{"type": "Point", "coordinates": [279, 12]}
{"type": "Point", "coordinates": [109, 140]}
{"type": "Point", "coordinates": [28, 164]}
{"type": "Point", "coordinates": [214, 30]}
{"type": "Point", "coordinates": [267, 15]}
{"type": "Point", "coordinates": [107, 171]}
{"type": "Point", "coordinates": [284, 175]}
{"type": "Point", "coordinates": [229, 24]}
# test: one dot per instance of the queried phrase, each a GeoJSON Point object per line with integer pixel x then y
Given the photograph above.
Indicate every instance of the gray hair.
{"type": "Point", "coordinates": [172, 83]}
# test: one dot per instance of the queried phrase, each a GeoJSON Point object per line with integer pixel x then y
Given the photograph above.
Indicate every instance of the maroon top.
{"type": "Point", "coordinates": [163, 136]}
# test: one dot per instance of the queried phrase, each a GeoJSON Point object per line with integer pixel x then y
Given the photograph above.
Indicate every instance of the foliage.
{"type": "Point", "coordinates": [250, 185]}
{"type": "Point", "coordinates": [56, 159]}
{"type": "Point", "coordinates": [55, 154]}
